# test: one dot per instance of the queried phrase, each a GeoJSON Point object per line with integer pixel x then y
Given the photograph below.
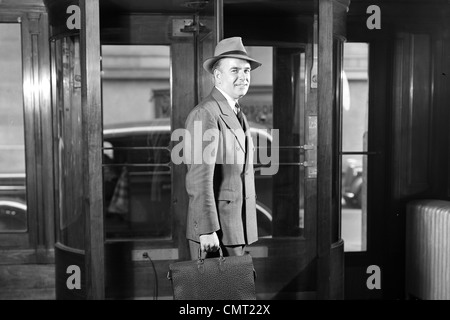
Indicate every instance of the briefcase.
{"type": "Point", "coordinates": [222, 278]}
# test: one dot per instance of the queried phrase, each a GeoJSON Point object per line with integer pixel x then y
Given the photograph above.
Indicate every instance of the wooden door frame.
{"type": "Point", "coordinates": [330, 252]}
{"type": "Point", "coordinates": [92, 144]}
{"type": "Point", "coordinates": [92, 139]}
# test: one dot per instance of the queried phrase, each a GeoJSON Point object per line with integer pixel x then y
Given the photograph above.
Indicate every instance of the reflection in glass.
{"type": "Point", "coordinates": [13, 205]}
{"type": "Point", "coordinates": [257, 106]}
{"type": "Point", "coordinates": [354, 192]}
{"type": "Point", "coordinates": [136, 140]}
{"type": "Point", "coordinates": [136, 165]}
{"type": "Point", "coordinates": [280, 197]}
{"type": "Point", "coordinates": [135, 83]}
{"type": "Point", "coordinates": [137, 181]}
{"type": "Point", "coordinates": [355, 97]}
{"type": "Point", "coordinates": [354, 145]}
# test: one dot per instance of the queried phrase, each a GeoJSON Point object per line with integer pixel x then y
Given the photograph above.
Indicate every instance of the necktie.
{"type": "Point", "coordinates": [239, 115]}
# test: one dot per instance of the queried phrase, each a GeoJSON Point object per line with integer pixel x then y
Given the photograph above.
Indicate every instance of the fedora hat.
{"type": "Point", "coordinates": [229, 48]}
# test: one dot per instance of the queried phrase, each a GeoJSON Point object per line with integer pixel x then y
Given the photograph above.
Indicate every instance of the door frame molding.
{"type": "Point", "coordinates": [92, 144]}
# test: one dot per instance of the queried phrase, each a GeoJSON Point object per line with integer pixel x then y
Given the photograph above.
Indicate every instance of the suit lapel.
{"type": "Point", "coordinates": [229, 117]}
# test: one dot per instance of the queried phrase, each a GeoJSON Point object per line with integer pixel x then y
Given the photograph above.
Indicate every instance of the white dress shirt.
{"type": "Point", "coordinates": [230, 100]}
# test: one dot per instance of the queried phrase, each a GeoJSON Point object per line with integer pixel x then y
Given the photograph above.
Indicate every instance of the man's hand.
{"type": "Point", "coordinates": [209, 242]}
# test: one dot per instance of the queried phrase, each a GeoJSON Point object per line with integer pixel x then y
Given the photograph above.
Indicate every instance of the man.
{"type": "Point", "coordinates": [222, 201]}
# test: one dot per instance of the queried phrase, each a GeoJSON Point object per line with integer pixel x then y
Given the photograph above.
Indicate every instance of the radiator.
{"type": "Point", "coordinates": [428, 249]}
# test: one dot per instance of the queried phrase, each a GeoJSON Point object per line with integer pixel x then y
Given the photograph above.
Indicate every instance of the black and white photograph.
{"type": "Point", "coordinates": [223, 155]}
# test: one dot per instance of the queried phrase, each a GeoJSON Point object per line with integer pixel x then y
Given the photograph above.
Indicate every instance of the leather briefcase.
{"type": "Point", "coordinates": [222, 278]}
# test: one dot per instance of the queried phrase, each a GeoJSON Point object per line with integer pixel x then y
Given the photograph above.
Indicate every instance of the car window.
{"type": "Point", "coordinates": [137, 183]}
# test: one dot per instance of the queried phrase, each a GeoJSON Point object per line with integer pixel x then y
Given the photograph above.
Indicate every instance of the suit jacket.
{"type": "Point", "coordinates": [220, 182]}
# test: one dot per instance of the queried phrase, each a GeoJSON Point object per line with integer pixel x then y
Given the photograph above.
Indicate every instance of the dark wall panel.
{"type": "Point", "coordinates": [413, 109]}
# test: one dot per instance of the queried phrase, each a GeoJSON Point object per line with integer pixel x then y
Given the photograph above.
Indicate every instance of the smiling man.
{"type": "Point", "coordinates": [222, 204]}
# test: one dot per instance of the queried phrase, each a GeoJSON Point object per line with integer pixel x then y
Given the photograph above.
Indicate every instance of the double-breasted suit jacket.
{"type": "Point", "coordinates": [220, 176]}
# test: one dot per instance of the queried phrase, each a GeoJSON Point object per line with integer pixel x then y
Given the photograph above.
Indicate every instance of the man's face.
{"type": "Point", "coordinates": [233, 77]}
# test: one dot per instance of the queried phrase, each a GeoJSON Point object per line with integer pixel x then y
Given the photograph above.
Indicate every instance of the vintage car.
{"type": "Point", "coordinates": [13, 205]}
{"type": "Point", "coordinates": [137, 184]}
{"type": "Point", "coordinates": [352, 182]}
{"type": "Point", "coordinates": [137, 159]}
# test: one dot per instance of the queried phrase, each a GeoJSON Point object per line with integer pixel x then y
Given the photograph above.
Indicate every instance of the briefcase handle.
{"type": "Point", "coordinates": [200, 264]}
{"type": "Point", "coordinates": [200, 261]}
{"type": "Point", "coordinates": [200, 254]}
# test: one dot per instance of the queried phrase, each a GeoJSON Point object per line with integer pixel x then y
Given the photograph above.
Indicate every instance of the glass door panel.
{"type": "Point", "coordinates": [136, 141]}
{"type": "Point", "coordinates": [354, 146]}
{"type": "Point", "coordinates": [13, 199]}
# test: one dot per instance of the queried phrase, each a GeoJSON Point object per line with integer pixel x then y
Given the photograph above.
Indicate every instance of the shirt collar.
{"type": "Point", "coordinates": [230, 100]}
